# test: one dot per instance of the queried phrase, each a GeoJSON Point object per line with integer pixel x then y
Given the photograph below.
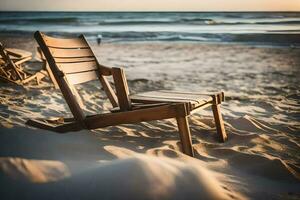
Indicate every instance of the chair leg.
{"type": "Point", "coordinates": [185, 135]}
{"type": "Point", "coordinates": [222, 136]}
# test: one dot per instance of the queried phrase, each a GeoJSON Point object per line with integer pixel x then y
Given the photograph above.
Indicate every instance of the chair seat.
{"type": "Point", "coordinates": [194, 100]}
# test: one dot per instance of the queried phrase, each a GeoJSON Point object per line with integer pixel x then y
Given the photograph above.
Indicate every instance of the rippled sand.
{"type": "Point", "coordinates": [261, 159]}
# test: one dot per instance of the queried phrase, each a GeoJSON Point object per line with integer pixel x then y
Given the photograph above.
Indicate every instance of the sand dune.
{"type": "Point", "coordinates": [134, 175]}
{"type": "Point", "coordinates": [144, 161]}
{"type": "Point", "coordinates": [138, 177]}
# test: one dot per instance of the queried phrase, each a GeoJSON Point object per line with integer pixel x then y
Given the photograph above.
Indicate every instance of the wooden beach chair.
{"type": "Point", "coordinates": [72, 62]}
{"type": "Point", "coordinates": [11, 69]}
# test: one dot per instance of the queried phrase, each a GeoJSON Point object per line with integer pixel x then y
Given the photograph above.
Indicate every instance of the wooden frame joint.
{"type": "Point", "coordinates": [223, 96]}
{"type": "Point", "coordinates": [214, 99]}
{"type": "Point", "coordinates": [218, 98]}
{"type": "Point", "coordinates": [182, 110]}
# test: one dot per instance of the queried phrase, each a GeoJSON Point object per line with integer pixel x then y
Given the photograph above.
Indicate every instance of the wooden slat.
{"type": "Point", "coordinates": [175, 98]}
{"type": "Point", "coordinates": [77, 67]}
{"type": "Point", "coordinates": [19, 53]}
{"type": "Point", "coordinates": [32, 77]}
{"type": "Point", "coordinates": [138, 99]}
{"type": "Point", "coordinates": [74, 60]}
{"type": "Point", "coordinates": [83, 77]}
{"type": "Point", "coordinates": [142, 99]}
{"type": "Point", "coordinates": [122, 89]}
{"type": "Point", "coordinates": [141, 106]}
{"type": "Point", "coordinates": [70, 53]}
{"type": "Point", "coordinates": [64, 43]}
{"type": "Point", "coordinates": [196, 95]}
{"type": "Point", "coordinates": [19, 62]}
{"type": "Point", "coordinates": [182, 92]}
{"type": "Point", "coordinates": [176, 95]}
{"type": "Point", "coordinates": [191, 105]}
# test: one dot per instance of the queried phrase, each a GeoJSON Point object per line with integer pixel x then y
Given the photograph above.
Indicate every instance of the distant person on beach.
{"type": "Point", "coordinates": [99, 39]}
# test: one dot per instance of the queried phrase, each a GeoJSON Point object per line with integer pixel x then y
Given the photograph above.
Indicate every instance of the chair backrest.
{"type": "Point", "coordinates": [72, 62]}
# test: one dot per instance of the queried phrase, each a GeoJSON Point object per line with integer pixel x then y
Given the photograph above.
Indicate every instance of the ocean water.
{"type": "Point", "coordinates": [271, 28]}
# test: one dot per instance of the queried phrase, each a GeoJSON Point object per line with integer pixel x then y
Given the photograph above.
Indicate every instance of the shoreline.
{"type": "Point", "coordinates": [294, 42]}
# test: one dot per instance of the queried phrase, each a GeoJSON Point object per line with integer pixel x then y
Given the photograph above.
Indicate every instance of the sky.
{"type": "Point", "coordinates": [150, 5]}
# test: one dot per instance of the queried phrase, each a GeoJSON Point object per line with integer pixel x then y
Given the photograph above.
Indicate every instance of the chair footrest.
{"type": "Point", "coordinates": [60, 125]}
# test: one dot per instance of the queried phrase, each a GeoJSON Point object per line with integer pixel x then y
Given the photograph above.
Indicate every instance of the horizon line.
{"type": "Point", "coordinates": [136, 11]}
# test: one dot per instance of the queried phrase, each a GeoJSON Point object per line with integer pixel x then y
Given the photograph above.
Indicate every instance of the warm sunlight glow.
{"type": "Point", "coordinates": [153, 5]}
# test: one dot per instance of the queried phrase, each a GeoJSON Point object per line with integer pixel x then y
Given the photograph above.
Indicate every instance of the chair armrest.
{"type": "Point", "coordinates": [121, 88]}
{"type": "Point", "coordinates": [104, 70]}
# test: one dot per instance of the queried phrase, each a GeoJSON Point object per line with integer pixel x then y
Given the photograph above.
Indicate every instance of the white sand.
{"type": "Point", "coordinates": [144, 161]}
